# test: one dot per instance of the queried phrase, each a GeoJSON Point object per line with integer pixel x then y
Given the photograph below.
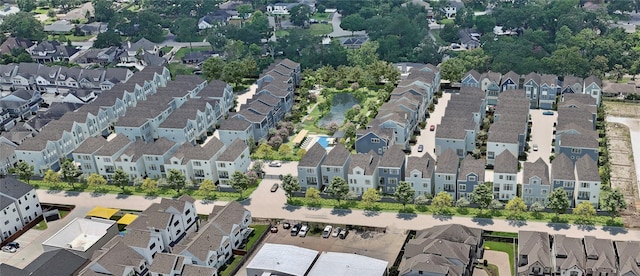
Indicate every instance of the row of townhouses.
{"type": "Point", "coordinates": [19, 205]}
{"type": "Point", "coordinates": [58, 138]}
{"type": "Point", "coordinates": [139, 159]}
{"type": "Point", "coordinates": [273, 99]}
{"type": "Point", "coordinates": [451, 249]}
{"type": "Point", "coordinates": [541, 90]}
{"type": "Point", "coordinates": [461, 122]}
{"type": "Point", "coordinates": [542, 254]}
{"type": "Point", "coordinates": [398, 119]}
{"type": "Point", "coordinates": [450, 174]}
{"type": "Point", "coordinates": [169, 239]}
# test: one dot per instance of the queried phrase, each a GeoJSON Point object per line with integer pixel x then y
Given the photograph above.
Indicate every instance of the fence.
{"type": "Point", "coordinates": [25, 228]}
{"type": "Point", "coordinates": [250, 251]}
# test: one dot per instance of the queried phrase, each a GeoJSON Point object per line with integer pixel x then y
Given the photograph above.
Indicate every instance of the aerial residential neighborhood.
{"type": "Point", "coordinates": [319, 137]}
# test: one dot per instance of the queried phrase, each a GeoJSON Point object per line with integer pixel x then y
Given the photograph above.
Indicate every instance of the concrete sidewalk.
{"type": "Point", "coordinates": [265, 204]}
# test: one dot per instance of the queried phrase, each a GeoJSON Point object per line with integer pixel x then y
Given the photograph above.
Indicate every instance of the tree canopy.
{"type": "Point", "coordinates": [23, 25]}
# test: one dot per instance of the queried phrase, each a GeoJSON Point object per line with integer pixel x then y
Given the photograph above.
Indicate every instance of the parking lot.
{"type": "Point", "coordinates": [541, 135]}
{"type": "Point", "coordinates": [427, 138]}
{"type": "Point", "coordinates": [383, 246]}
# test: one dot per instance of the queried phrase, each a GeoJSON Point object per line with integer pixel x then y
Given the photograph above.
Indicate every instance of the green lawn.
{"type": "Point", "coordinates": [73, 38]}
{"type": "Point", "coordinates": [257, 232]}
{"type": "Point", "coordinates": [309, 123]}
{"type": "Point", "coordinates": [231, 266]}
{"type": "Point", "coordinates": [454, 211]}
{"type": "Point", "coordinates": [446, 21]}
{"type": "Point", "coordinates": [320, 29]}
{"type": "Point", "coordinates": [166, 49]}
{"type": "Point", "coordinates": [320, 16]}
{"type": "Point", "coordinates": [41, 10]}
{"type": "Point", "coordinates": [162, 192]}
{"type": "Point", "coordinates": [183, 51]}
{"type": "Point", "coordinates": [281, 33]}
{"type": "Point", "coordinates": [502, 247]}
{"type": "Point", "coordinates": [177, 68]}
{"type": "Point", "coordinates": [41, 226]}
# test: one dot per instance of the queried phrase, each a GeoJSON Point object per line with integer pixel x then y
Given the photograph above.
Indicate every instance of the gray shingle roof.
{"type": "Point", "coordinates": [533, 76]}
{"type": "Point", "coordinates": [163, 263]}
{"type": "Point", "coordinates": [448, 162]}
{"type": "Point", "coordinates": [452, 232]}
{"type": "Point", "coordinates": [190, 269]}
{"type": "Point", "coordinates": [313, 157]}
{"type": "Point", "coordinates": [337, 156]}
{"type": "Point", "coordinates": [629, 254]}
{"type": "Point", "coordinates": [56, 262]}
{"type": "Point", "coordinates": [137, 238]}
{"type": "Point", "coordinates": [215, 89]}
{"type": "Point", "coordinates": [91, 145]}
{"type": "Point", "coordinates": [366, 161]}
{"type": "Point", "coordinates": [394, 157]}
{"type": "Point", "coordinates": [425, 164]}
{"type": "Point", "coordinates": [562, 168]}
{"type": "Point", "coordinates": [536, 246]}
{"type": "Point", "coordinates": [538, 168]}
{"type": "Point", "coordinates": [592, 79]}
{"type": "Point", "coordinates": [448, 249]}
{"type": "Point", "coordinates": [470, 165]}
{"type": "Point", "coordinates": [14, 188]}
{"type": "Point", "coordinates": [435, 264]}
{"type": "Point", "coordinates": [224, 217]}
{"type": "Point", "coordinates": [511, 76]}
{"type": "Point", "coordinates": [234, 150]}
{"type": "Point", "coordinates": [587, 169]}
{"type": "Point", "coordinates": [506, 162]}
{"type": "Point", "coordinates": [569, 252]}
{"type": "Point", "coordinates": [206, 151]}
{"type": "Point", "coordinates": [600, 254]}
{"type": "Point", "coordinates": [114, 145]}
{"type": "Point", "coordinates": [236, 124]}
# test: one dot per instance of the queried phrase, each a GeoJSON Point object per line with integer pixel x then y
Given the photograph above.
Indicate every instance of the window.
{"type": "Point", "coordinates": [153, 245]}
{"type": "Point", "coordinates": [491, 155]}
{"type": "Point", "coordinates": [508, 187]}
{"type": "Point", "coordinates": [336, 170]}
{"type": "Point", "coordinates": [176, 223]}
{"type": "Point", "coordinates": [544, 191]}
{"type": "Point", "coordinates": [311, 171]}
{"type": "Point", "coordinates": [462, 187]}
{"type": "Point", "coordinates": [584, 184]}
{"type": "Point", "coordinates": [472, 178]}
{"type": "Point", "coordinates": [375, 140]}
{"type": "Point", "coordinates": [367, 182]}
{"type": "Point", "coordinates": [576, 151]}
{"type": "Point", "coordinates": [393, 181]}
{"type": "Point", "coordinates": [222, 165]}
{"type": "Point", "coordinates": [424, 184]}
{"type": "Point", "coordinates": [447, 177]}
{"type": "Point", "coordinates": [527, 191]}
{"type": "Point", "coordinates": [584, 195]}
{"type": "Point", "coordinates": [197, 163]}
{"type": "Point", "coordinates": [187, 212]}
{"type": "Point", "coordinates": [568, 184]}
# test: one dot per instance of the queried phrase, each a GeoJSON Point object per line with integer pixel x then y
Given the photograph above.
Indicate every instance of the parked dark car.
{"type": "Point", "coordinates": [13, 244]}
{"type": "Point", "coordinates": [343, 234]}
{"type": "Point", "coordinates": [295, 229]}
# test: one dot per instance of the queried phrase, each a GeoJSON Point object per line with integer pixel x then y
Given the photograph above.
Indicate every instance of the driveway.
{"type": "Point", "coordinates": [541, 135]}
{"type": "Point", "coordinates": [498, 258]}
{"type": "Point", "coordinates": [634, 131]}
{"type": "Point", "coordinates": [246, 95]}
{"type": "Point", "coordinates": [79, 12]}
{"type": "Point", "coordinates": [426, 137]}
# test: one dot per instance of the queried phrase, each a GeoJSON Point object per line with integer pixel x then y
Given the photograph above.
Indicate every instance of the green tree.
{"type": "Point", "coordinates": [26, 5]}
{"type": "Point", "coordinates": [121, 179]}
{"type": "Point", "coordinates": [239, 182]}
{"type": "Point", "coordinates": [206, 189]}
{"type": "Point", "coordinates": [107, 39]}
{"type": "Point", "coordinates": [52, 178]}
{"type": "Point", "coordinates": [69, 172]}
{"type": "Point", "coordinates": [300, 153]}
{"type": "Point", "coordinates": [464, 17]}
{"type": "Point", "coordinates": [516, 207]}
{"type": "Point", "coordinates": [284, 150]}
{"type": "Point", "coordinates": [150, 185]}
{"type": "Point", "coordinates": [96, 181]}
{"type": "Point", "coordinates": [212, 68]}
{"type": "Point", "coordinates": [558, 201]}
{"type": "Point", "coordinates": [365, 55]}
{"type": "Point", "coordinates": [353, 23]}
{"type": "Point", "coordinates": [495, 205]}
{"type": "Point", "coordinates": [290, 185]}
{"type": "Point", "coordinates": [370, 197]}
{"type": "Point", "coordinates": [536, 207]}
{"type": "Point", "coordinates": [185, 29]}
{"type": "Point", "coordinates": [176, 179]}
{"type": "Point", "coordinates": [338, 189]}
{"type": "Point", "coordinates": [485, 23]}
{"type": "Point", "coordinates": [442, 201]}
{"type": "Point", "coordinates": [585, 212]}
{"type": "Point", "coordinates": [613, 201]}
{"type": "Point", "coordinates": [462, 202]}
{"type": "Point", "coordinates": [404, 193]}
{"type": "Point", "coordinates": [299, 14]}
{"type": "Point", "coordinates": [452, 69]}
{"type": "Point", "coordinates": [104, 10]}
{"type": "Point", "coordinates": [23, 25]}
{"type": "Point", "coordinates": [449, 33]}
{"type": "Point", "coordinates": [482, 195]}
{"type": "Point", "coordinates": [24, 171]}
{"type": "Point", "coordinates": [313, 195]}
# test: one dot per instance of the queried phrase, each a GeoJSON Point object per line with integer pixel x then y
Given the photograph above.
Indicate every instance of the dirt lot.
{"type": "Point", "coordinates": [383, 246]}
{"type": "Point", "coordinates": [629, 110]}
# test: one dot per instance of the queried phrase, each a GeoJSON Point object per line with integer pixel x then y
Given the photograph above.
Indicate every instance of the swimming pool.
{"type": "Point", "coordinates": [323, 141]}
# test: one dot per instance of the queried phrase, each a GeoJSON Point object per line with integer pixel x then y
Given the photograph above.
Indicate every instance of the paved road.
{"type": "Point", "coordinates": [500, 259]}
{"type": "Point", "coordinates": [634, 130]}
{"type": "Point", "coordinates": [263, 203]}
{"type": "Point", "coordinates": [168, 43]}
{"type": "Point", "coordinates": [541, 135]}
{"type": "Point", "coordinates": [426, 137]}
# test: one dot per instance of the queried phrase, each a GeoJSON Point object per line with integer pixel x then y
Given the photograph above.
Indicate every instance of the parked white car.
{"type": "Point", "coordinates": [327, 231]}
{"type": "Point", "coordinates": [303, 230]}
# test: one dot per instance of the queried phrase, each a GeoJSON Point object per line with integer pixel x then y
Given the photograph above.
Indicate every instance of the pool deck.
{"type": "Point", "coordinates": [314, 139]}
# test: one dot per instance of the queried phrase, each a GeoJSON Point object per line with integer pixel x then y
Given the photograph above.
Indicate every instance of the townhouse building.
{"type": "Point", "coordinates": [19, 205]}
{"type": "Point", "coordinates": [309, 170]}
{"type": "Point", "coordinates": [145, 243]}
{"type": "Point", "coordinates": [446, 173]}
{"type": "Point", "coordinates": [7, 72]}
{"type": "Point", "coordinates": [235, 129]}
{"type": "Point", "coordinates": [628, 252]}
{"type": "Point", "coordinates": [190, 123]}
{"type": "Point", "coordinates": [588, 181]}
{"type": "Point", "coordinates": [391, 169]}
{"type": "Point", "coordinates": [197, 162]}
{"type": "Point", "coordinates": [420, 173]}
{"type": "Point", "coordinates": [490, 84]}
{"type": "Point", "coordinates": [132, 161]}
{"type": "Point", "coordinates": [373, 138]}
{"type": "Point", "coordinates": [576, 133]}
{"type": "Point", "coordinates": [510, 81]}
{"type": "Point", "coordinates": [363, 172]}
{"type": "Point", "coordinates": [461, 122]}
{"type": "Point", "coordinates": [568, 254]}
{"type": "Point", "coordinates": [534, 254]}
{"type": "Point", "coordinates": [572, 85]}
{"type": "Point", "coordinates": [601, 256]}
{"type": "Point", "coordinates": [470, 175]}
{"type": "Point", "coordinates": [471, 79]}
{"type": "Point", "coordinates": [170, 264]}
{"type": "Point", "coordinates": [21, 103]}
{"type": "Point", "coordinates": [84, 155]}
{"type": "Point", "coordinates": [220, 91]}
{"type": "Point", "coordinates": [535, 182]}
{"type": "Point", "coordinates": [549, 90]}
{"type": "Point", "coordinates": [593, 87]}
{"type": "Point", "coordinates": [7, 156]}
{"type": "Point", "coordinates": [531, 86]}
{"type": "Point", "coordinates": [505, 176]}
{"type": "Point", "coordinates": [105, 157]}
{"type": "Point", "coordinates": [336, 164]}
{"type": "Point", "coordinates": [563, 176]}
{"type": "Point", "coordinates": [234, 158]}
{"type": "Point", "coordinates": [510, 127]}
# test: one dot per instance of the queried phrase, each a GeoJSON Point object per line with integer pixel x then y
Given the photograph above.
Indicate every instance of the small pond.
{"type": "Point", "coordinates": [339, 105]}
